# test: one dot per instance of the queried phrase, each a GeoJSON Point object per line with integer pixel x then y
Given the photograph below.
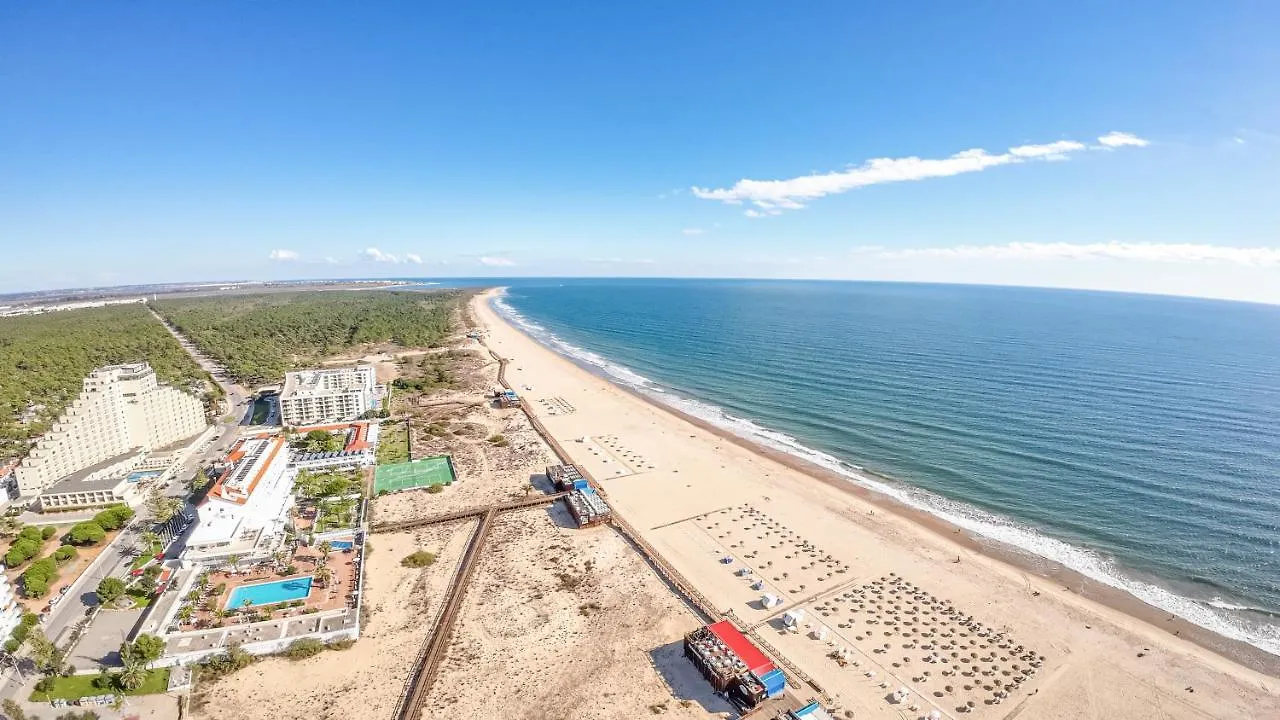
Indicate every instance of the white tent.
{"type": "Point", "coordinates": [770, 600]}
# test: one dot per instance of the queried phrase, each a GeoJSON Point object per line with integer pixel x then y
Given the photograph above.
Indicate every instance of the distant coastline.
{"type": "Point", "coordinates": [1117, 598]}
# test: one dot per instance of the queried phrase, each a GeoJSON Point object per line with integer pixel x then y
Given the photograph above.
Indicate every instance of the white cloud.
{"type": "Point", "coordinates": [331, 260]}
{"type": "Point", "coordinates": [693, 231]}
{"type": "Point", "coordinates": [772, 196]}
{"type": "Point", "coordinates": [1140, 252]}
{"type": "Point", "coordinates": [415, 259]}
{"type": "Point", "coordinates": [496, 261]}
{"type": "Point", "coordinates": [377, 255]}
{"type": "Point", "coordinates": [283, 255]}
{"type": "Point", "coordinates": [1120, 139]}
{"type": "Point", "coordinates": [1050, 151]}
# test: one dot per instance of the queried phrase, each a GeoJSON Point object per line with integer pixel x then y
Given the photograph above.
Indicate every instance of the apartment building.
{"type": "Point", "coordinates": [121, 412]}
{"type": "Point", "coordinates": [10, 610]}
{"type": "Point", "coordinates": [315, 397]}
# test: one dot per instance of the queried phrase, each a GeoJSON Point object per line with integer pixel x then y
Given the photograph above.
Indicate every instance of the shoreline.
{"type": "Point", "coordinates": [1015, 559]}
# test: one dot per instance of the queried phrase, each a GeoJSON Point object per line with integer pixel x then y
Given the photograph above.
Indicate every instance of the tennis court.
{"type": "Point", "coordinates": [419, 473]}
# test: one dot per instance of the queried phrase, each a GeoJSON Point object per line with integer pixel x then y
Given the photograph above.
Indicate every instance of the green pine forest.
{"type": "Point", "coordinates": [257, 338]}
{"type": "Point", "coordinates": [44, 358]}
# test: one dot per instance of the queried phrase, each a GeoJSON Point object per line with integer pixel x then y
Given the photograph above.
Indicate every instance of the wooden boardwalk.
{"type": "Point", "coordinates": [427, 663]}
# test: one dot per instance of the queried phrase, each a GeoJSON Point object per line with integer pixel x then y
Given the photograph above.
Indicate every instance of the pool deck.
{"type": "Point", "coordinates": [336, 596]}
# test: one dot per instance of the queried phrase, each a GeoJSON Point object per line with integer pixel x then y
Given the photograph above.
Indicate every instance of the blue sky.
{"type": "Point", "coordinates": [148, 142]}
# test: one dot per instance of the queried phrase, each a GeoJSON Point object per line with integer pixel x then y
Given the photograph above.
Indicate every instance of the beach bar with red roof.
{"type": "Point", "coordinates": [733, 664]}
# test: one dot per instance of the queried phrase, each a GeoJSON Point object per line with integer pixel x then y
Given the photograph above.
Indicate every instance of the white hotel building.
{"type": "Point", "coordinates": [10, 610]}
{"type": "Point", "coordinates": [315, 397]}
{"type": "Point", "coordinates": [247, 508]}
{"type": "Point", "coordinates": [121, 414]}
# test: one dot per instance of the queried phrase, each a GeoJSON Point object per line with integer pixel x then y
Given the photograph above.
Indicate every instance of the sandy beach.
{"type": "Point", "coordinates": [891, 600]}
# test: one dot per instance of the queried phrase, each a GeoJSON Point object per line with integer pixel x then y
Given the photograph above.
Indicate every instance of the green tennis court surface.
{"type": "Point", "coordinates": [419, 473]}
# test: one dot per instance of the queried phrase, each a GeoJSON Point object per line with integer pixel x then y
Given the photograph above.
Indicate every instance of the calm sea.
{"type": "Point", "coordinates": [1135, 439]}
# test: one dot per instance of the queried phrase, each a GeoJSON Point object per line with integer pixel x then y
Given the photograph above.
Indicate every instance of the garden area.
{"type": "Point", "coordinates": [327, 501]}
{"type": "Point", "coordinates": [393, 442]}
{"type": "Point", "coordinates": [338, 514]}
{"type": "Point", "coordinates": [134, 677]}
{"type": "Point", "coordinates": [38, 573]}
{"type": "Point", "coordinates": [78, 686]}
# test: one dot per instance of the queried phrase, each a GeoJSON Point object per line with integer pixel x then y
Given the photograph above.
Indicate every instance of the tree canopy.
{"type": "Point", "coordinates": [85, 533]}
{"type": "Point", "coordinates": [258, 338]}
{"type": "Point", "coordinates": [109, 589]}
{"type": "Point", "coordinates": [44, 359]}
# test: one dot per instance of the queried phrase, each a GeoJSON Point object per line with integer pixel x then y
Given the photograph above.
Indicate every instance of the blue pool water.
{"type": "Point", "coordinates": [136, 476]}
{"type": "Point", "coordinates": [270, 593]}
{"type": "Point", "coordinates": [340, 544]}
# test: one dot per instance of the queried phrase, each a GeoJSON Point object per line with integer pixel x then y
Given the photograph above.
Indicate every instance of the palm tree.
{"type": "Point", "coordinates": [235, 561]}
{"type": "Point", "coordinates": [133, 675]}
{"type": "Point", "coordinates": [323, 575]}
{"type": "Point", "coordinates": [184, 614]}
{"type": "Point", "coordinates": [245, 604]}
{"type": "Point", "coordinates": [325, 547]}
{"type": "Point", "coordinates": [147, 543]}
{"type": "Point", "coordinates": [281, 559]}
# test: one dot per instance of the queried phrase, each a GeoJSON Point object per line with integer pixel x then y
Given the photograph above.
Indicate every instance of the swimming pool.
{"type": "Point", "coordinates": [269, 593]}
{"type": "Point", "coordinates": [340, 544]}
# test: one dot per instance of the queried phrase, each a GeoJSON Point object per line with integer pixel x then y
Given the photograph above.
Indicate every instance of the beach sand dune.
{"type": "Point", "coordinates": [560, 622]}
{"type": "Point", "coordinates": [675, 480]}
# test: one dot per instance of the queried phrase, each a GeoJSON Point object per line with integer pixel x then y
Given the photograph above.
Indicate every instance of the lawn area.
{"type": "Point", "coordinates": [78, 686]}
{"type": "Point", "coordinates": [141, 599]}
{"type": "Point", "coordinates": [393, 444]}
{"type": "Point", "coordinates": [261, 408]}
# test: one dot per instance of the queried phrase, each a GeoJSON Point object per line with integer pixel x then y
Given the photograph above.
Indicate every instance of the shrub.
{"type": "Point", "coordinates": [303, 648]}
{"type": "Point", "coordinates": [109, 589]}
{"type": "Point", "coordinates": [345, 644]}
{"type": "Point", "coordinates": [63, 554]}
{"type": "Point", "coordinates": [31, 533]}
{"type": "Point", "coordinates": [47, 532]}
{"type": "Point", "coordinates": [435, 489]}
{"type": "Point", "coordinates": [36, 579]}
{"type": "Point", "coordinates": [86, 533]}
{"type": "Point", "coordinates": [22, 550]}
{"type": "Point", "coordinates": [419, 559]}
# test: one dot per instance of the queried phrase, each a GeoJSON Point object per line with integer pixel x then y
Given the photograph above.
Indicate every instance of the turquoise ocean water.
{"type": "Point", "coordinates": [1135, 439]}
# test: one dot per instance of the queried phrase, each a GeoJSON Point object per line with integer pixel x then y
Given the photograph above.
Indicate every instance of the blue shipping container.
{"type": "Point", "coordinates": [580, 484]}
{"type": "Point", "coordinates": [774, 682]}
